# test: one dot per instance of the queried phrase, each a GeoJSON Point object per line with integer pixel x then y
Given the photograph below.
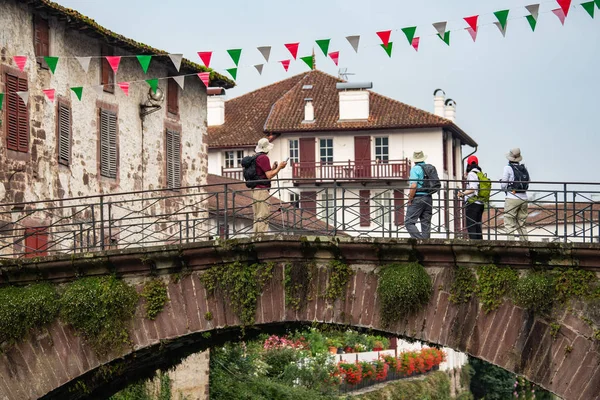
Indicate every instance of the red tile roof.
{"type": "Point", "coordinates": [279, 108]}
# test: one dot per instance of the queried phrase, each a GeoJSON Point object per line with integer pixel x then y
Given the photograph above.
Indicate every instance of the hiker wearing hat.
{"type": "Point", "coordinates": [260, 193]}
{"type": "Point", "coordinates": [420, 203]}
{"type": "Point", "coordinates": [515, 182]}
{"type": "Point", "coordinates": [474, 197]}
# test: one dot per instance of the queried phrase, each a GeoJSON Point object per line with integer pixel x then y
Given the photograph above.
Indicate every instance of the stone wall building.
{"type": "Point", "coordinates": [102, 143]}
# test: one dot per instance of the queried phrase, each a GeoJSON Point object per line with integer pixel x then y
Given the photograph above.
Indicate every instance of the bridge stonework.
{"type": "Point", "coordinates": [56, 363]}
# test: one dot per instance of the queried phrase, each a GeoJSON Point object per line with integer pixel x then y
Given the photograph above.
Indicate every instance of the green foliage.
{"type": "Point", "coordinates": [100, 308]}
{"type": "Point", "coordinates": [403, 289]}
{"type": "Point", "coordinates": [573, 283]}
{"type": "Point", "coordinates": [25, 308]}
{"type": "Point", "coordinates": [493, 284]}
{"type": "Point", "coordinates": [297, 280]}
{"type": "Point", "coordinates": [155, 293]}
{"type": "Point", "coordinates": [208, 316]}
{"type": "Point", "coordinates": [142, 390]}
{"type": "Point", "coordinates": [534, 291]}
{"type": "Point", "coordinates": [241, 284]}
{"type": "Point", "coordinates": [339, 275]}
{"type": "Point", "coordinates": [463, 285]}
{"type": "Point", "coordinates": [554, 329]}
{"type": "Point", "coordinates": [435, 386]}
{"type": "Point", "coordinates": [278, 359]}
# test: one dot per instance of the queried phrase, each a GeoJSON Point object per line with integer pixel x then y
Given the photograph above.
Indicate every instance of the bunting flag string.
{"type": "Point", "coordinates": [124, 87]}
{"type": "Point", "coordinates": [388, 48]}
{"type": "Point", "coordinates": [176, 60]}
{"type": "Point", "coordinates": [415, 43]}
{"type": "Point", "coordinates": [590, 7]}
{"type": "Point", "coordinates": [266, 52]}
{"type": "Point", "coordinates": [259, 68]}
{"type": "Point", "coordinates": [114, 62]}
{"type": "Point", "coordinates": [410, 33]}
{"type": "Point", "coordinates": [232, 72]}
{"type": "Point", "coordinates": [153, 84]}
{"type": "Point", "coordinates": [502, 17]}
{"type": "Point", "coordinates": [24, 96]}
{"type": "Point", "coordinates": [285, 64]}
{"type": "Point", "coordinates": [440, 27]}
{"type": "Point", "coordinates": [472, 32]}
{"type": "Point", "coordinates": [205, 78]}
{"type": "Point", "coordinates": [309, 61]}
{"type": "Point", "coordinates": [335, 57]}
{"type": "Point", "coordinates": [1, 100]}
{"type": "Point", "coordinates": [293, 49]}
{"type": "Point", "coordinates": [565, 5]}
{"type": "Point", "coordinates": [354, 41]}
{"type": "Point", "coordinates": [49, 94]}
{"type": "Point", "coordinates": [534, 11]}
{"type": "Point", "coordinates": [501, 27]}
{"type": "Point", "coordinates": [560, 14]}
{"type": "Point", "coordinates": [144, 62]}
{"type": "Point", "coordinates": [235, 55]}
{"type": "Point", "coordinates": [180, 80]}
{"type": "Point", "coordinates": [472, 21]}
{"type": "Point", "coordinates": [79, 91]}
{"type": "Point", "coordinates": [323, 45]}
{"type": "Point", "coordinates": [205, 56]}
{"type": "Point", "coordinates": [20, 61]}
{"type": "Point", "coordinates": [51, 62]}
{"type": "Point", "coordinates": [445, 38]}
{"type": "Point", "coordinates": [84, 62]}
{"type": "Point", "coordinates": [385, 37]}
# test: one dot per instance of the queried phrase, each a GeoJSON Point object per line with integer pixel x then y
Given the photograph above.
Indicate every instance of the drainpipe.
{"type": "Point", "coordinates": [465, 157]}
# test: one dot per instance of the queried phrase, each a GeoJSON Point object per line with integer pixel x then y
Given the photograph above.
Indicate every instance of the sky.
{"type": "Point", "coordinates": [539, 91]}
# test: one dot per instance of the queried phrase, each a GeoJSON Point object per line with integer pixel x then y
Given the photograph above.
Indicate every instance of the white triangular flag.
{"type": "Point", "coordinates": [265, 51]}
{"type": "Point", "coordinates": [259, 68]}
{"type": "Point", "coordinates": [99, 89]}
{"type": "Point", "coordinates": [354, 41]}
{"type": "Point", "coordinates": [499, 25]}
{"type": "Point", "coordinates": [180, 80]}
{"type": "Point", "coordinates": [84, 62]}
{"type": "Point", "coordinates": [440, 27]}
{"type": "Point", "coordinates": [176, 60]}
{"type": "Point", "coordinates": [534, 10]}
{"type": "Point", "coordinates": [24, 96]}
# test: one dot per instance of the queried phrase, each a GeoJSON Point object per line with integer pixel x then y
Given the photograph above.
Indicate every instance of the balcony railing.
{"type": "Point", "coordinates": [233, 173]}
{"type": "Point", "coordinates": [319, 171]}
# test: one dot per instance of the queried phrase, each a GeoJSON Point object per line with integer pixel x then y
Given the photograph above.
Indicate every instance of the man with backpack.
{"type": "Point", "coordinates": [424, 182]}
{"type": "Point", "coordinates": [476, 195]}
{"type": "Point", "coordinates": [258, 174]}
{"type": "Point", "coordinates": [515, 182]}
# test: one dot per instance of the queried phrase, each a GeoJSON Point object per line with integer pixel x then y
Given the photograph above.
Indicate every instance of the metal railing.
{"type": "Point", "coordinates": [373, 169]}
{"type": "Point", "coordinates": [558, 212]}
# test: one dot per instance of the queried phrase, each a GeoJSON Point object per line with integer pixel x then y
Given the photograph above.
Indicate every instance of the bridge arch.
{"type": "Point", "coordinates": [58, 364]}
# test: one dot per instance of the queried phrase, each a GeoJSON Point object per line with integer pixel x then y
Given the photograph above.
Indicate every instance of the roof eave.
{"type": "Point", "coordinates": [466, 139]}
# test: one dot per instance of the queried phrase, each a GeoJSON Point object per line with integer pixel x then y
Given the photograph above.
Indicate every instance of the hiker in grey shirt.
{"type": "Point", "coordinates": [515, 203]}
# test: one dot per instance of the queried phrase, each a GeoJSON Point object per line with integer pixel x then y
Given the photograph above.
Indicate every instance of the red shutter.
{"type": "Point", "coordinates": [23, 125]}
{"type": "Point", "coordinates": [41, 37]}
{"type": "Point", "coordinates": [36, 242]}
{"type": "Point", "coordinates": [365, 207]}
{"type": "Point", "coordinates": [173, 97]}
{"type": "Point", "coordinates": [17, 137]}
{"type": "Point", "coordinates": [399, 207]}
{"type": "Point", "coordinates": [308, 201]}
{"type": "Point", "coordinates": [106, 73]}
{"type": "Point", "coordinates": [445, 153]}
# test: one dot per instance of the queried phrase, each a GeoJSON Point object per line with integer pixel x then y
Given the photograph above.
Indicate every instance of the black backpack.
{"type": "Point", "coordinates": [431, 183]}
{"type": "Point", "coordinates": [521, 181]}
{"type": "Point", "coordinates": [250, 176]}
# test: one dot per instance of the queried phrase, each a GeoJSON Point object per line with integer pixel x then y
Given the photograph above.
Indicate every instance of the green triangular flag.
{"type": "Point", "coordinates": [144, 62]}
{"type": "Point", "coordinates": [388, 48]}
{"type": "Point", "coordinates": [502, 17]}
{"type": "Point", "coordinates": [1, 100]}
{"type": "Point", "coordinates": [235, 56]}
{"type": "Point", "coordinates": [446, 37]}
{"type": "Point", "coordinates": [308, 60]}
{"type": "Point", "coordinates": [597, 3]}
{"type": "Point", "coordinates": [410, 33]}
{"type": "Point", "coordinates": [324, 45]}
{"type": "Point", "coordinates": [153, 84]}
{"type": "Point", "coordinates": [589, 7]}
{"type": "Point", "coordinates": [532, 21]}
{"type": "Point", "coordinates": [232, 72]}
{"type": "Point", "coordinates": [51, 61]}
{"type": "Point", "coordinates": [78, 91]}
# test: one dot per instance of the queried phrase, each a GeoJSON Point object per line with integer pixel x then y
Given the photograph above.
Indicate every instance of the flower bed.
{"type": "Point", "coordinates": [362, 374]}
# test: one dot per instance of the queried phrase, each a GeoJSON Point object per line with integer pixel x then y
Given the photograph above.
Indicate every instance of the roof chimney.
{"type": "Point", "coordinates": [354, 100]}
{"type": "Point", "coordinates": [450, 110]}
{"type": "Point", "coordinates": [309, 111]}
{"type": "Point", "coordinates": [215, 107]}
{"type": "Point", "coordinates": [438, 103]}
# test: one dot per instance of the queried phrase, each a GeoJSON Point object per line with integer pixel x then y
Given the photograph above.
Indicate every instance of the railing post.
{"type": "Point", "coordinates": [334, 209]}
{"type": "Point", "coordinates": [102, 222]}
{"type": "Point", "coordinates": [233, 211]}
{"type": "Point", "coordinates": [565, 224]}
{"type": "Point", "coordinates": [226, 212]}
{"type": "Point", "coordinates": [94, 238]}
{"type": "Point", "coordinates": [109, 221]}
{"type": "Point", "coordinates": [447, 211]}
{"type": "Point", "coordinates": [187, 227]}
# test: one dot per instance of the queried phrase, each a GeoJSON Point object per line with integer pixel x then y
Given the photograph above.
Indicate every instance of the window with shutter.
{"type": "Point", "coordinates": [41, 39]}
{"type": "Point", "coordinates": [173, 140]}
{"type": "Point", "coordinates": [36, 242]}
{"type": "Point", "coordinates": [173, 97]}
{"type": "Point", "coordinates": [108, 144]}
{"type": "Point", "coordinates": [17, 132]}
{"type": "Point", "coordinates": [63, 130]}
{"type": "Point", "coordinates": [107, 76]}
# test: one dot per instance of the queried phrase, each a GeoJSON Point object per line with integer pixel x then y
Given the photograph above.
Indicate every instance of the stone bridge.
{"type": "Point", "coordinates": [54, 363]}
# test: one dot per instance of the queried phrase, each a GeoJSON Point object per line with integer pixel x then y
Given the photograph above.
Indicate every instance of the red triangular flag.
{"type": "Point", "coordinates": [415, 43]}
{"type": "Point", "coordinates": [385, 37]}
{"type": "Point", "coordinates": [205, 78]}
{"type": "Point", "coordinates": [124, 87]}
{"type": "Point", "coordinates": [565, 5]}
{"type": "Point", "coordinates": [50, 94]}
{"type": "Point", "coordinates": [286, 64]}
{"type": "Point", "coordinates": [293, 49]}
{"type": "Point", "coordinates": [472, 21]}
{"type": "Point", "coordinates": [560, 14]}
{"type": "Point", "coordinates": [335, 57]}
{"type": "Point", "coordinates": [20, 61]}
{"type": "Point", "coordinates": [205, 57]}
{"type": "Point", "coordinates": [114, 62]}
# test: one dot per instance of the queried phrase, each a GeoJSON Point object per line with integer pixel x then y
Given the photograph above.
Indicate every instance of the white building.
{"type": "Point", "coordinates": [337, 131]}
{"type": "Point", "coordinates": [106, 143]}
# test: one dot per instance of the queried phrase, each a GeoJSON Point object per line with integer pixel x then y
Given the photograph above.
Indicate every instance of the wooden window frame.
{"type": "Point", "coordinates": [106, 71]}
{"type": "Point", "coordinates": [41, 46]}
{"type": "Point", "coordinates": [294, 151]}
{"type": "Point", "coordinates": [327, 162]}
{"type": "Point", "coordinates": [64, 104]}
{"type": "Point", "coordinates": [22, 145]}
{"type": "Point", "coordinates": [172, 182]}
{"type": "Point", "coordinates": [102, 107]}
{"type": "Point", "coordinates": [172, 97]}
{"type": "Point", "coordinates": [381, 146]}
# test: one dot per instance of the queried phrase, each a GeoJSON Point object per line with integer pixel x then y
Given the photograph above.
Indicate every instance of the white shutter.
{"type": "Point", "coordinates": [173, 140]}
{"type": "Point", "coordinates": [64, 134]}
{"type": "Point", "coordinates": [108, 144]}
